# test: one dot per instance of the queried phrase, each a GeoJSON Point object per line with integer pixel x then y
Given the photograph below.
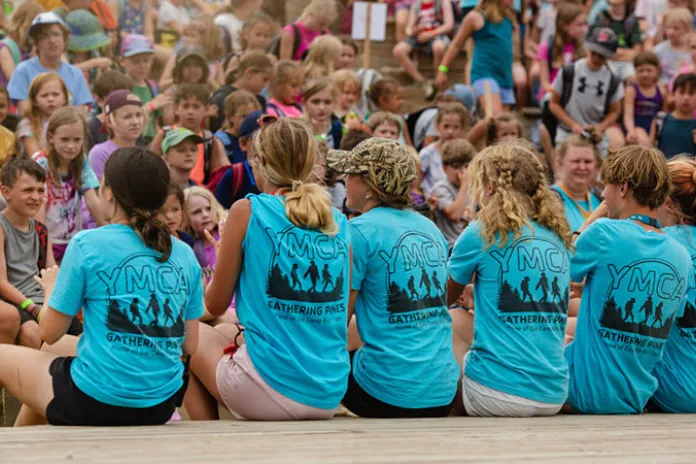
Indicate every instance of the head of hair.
{"type": "Point", "coordinates": [176, 191]}
{"type": "Point", "coordinates": [382, 88]}
{"type": "Point", "coordinates": [216, 208]}
{"type": "Point", "coordinates": [380, 117]}
{"type": "Point", "coordinates": [32, 111]}
{"type": "Point", "coordinates": [314, 86]}
{"type": "Point", "coordinates": [239, 100]}
{"type": "Point", "coordinates": [646, 57]}
{"type": "Point", "coordinates": [5, 93]}
{"type": "Point", "coordinates": [682, 172]}
{"type": "Point", "coordinates": [346, 77]}
{"type": "Point", "coordinates": [322, 56]}
{"type": "Point", "coordinates": [254, 61]}
{"type": "Point", "coordinates": [257, 17]}
{"type": "Point", "coordinates": [457, 151]}
{"type": "Point", "coordinates": [321, 9]}
{"type": "Point", "coordinates": [22, 16]}
{"type": "Point", "coordinates": [457, 109]}
{"type": "Point", "coordinates": [520, 193]}
{"type": "Point", "coordinates": [287, 152]}
{"type": "Point", "coordinates": [17, 165]}
{"type": "Point", "coordinates": [139, 181]}
{"type": "Point", "coordinates": [685, 82]}
{"type": "Point", "coordinates": [566, 13]}
{"type": "Point", "coordinates": [681, 15]}
{"type": "Point", "coordinates": [178, 73]}
{"type": "Point", "coordinates": [643, 169]}
{"type": "Point", "coordinates": [496, 10]}
{"type": "Point", "coordinates": [353, 138]}
{"type": "Point", "coordinates": [502, 118]}
{"type": "Point", "coordinates": [576, 141]}
{"type": "Point", "coordinates": [38, 30]}
{"type": "Point", "coordinates": [109, 81]}
{"type": "Point", "coordinates": [349, 42]}
{"type": "Point", "coordinates": [198, 91]}
{"type": "Point", "coordinates": [212, 41]}
{"type": "Point", "coordinates": [283, 72]}
{"type": "Point", "coordinates": [65, 116]}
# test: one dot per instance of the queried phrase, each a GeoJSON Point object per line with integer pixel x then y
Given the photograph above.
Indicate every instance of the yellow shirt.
{"type": "Point", "coordinates": [7, 144]}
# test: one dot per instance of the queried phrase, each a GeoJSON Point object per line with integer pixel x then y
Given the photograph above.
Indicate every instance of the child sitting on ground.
{"type": "Point", "coordinates": [451, 192]}
{"type": "Point", "coordinates": [257, 33]}
{"type": "Point", "coordinates": [322, 57]}
{"type": "Point", "coordinates": [238, 105]}
{"type": "Point", "coordinates": [319, 100]}
{"type": "Point", "coordinates": [675, 133]}
{"type": "Point", "coordinates": [643, 99]}
{"type": "Point", "coordinates": [172, 213]}
{"type": "Point", "coordinates": [284, 89]}
{"type": "Point", "coordinates": [108, 82]}
{"type": "Point", "coordinates": [47, 93]}
{"type": "Point", "coordinates": [387, 95]}
{"type": "Point", "coordinates": [180, 148]}
{"type": "Point", "coordinates": [349, 90]}
{"type": "Point", "coordinates": [190, 106]}
{"type": "Point", "coordinates": [384, 125]}
{"type": "Point", "coordinates": [203, 217]}
{"type": "Point", "coordinates": [429, 23]}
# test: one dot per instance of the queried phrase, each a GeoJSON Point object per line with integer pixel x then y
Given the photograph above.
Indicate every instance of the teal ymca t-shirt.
{"type": "Point", "coordinates": [521, 293]}
{"type": "Point", "coordinates": [134, 310]}
{"type": "Point", "coordinates": [577, 211]}
{"type": "Point", "coordinates": [292, 297]}
{"type": "Point", "coordinates": [400, 273]}
{"type": "Point", "coordinates": [675, 372]}
{"type": "Point", "coordinates": [636, 281]}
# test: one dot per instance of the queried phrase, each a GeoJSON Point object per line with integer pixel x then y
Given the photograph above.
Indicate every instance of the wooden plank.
{"type": "Point", "coordinates": [566, 439]}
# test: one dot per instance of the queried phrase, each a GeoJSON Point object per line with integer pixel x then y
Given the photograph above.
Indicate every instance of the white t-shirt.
{"type": "Point", "coordinates": [169, 13]}
{"type": "Point", "coordinates": [233, 25]}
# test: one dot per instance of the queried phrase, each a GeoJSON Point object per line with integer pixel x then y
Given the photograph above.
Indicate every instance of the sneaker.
{"type": "Point", "coordinates": [429, 90]}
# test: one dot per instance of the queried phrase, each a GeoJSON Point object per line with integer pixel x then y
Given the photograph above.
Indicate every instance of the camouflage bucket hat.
{"type": "Point", "coordinates": [387, 163]}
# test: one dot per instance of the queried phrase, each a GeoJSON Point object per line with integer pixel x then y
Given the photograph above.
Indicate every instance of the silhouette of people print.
{"type": "Point", "coordinates": [135, 311]}
{"type": "Point", "coordinates": [168, 313]}
{"type": "Point", "coordinates": [425, 282]}
{"type": "Point", "coordinates": [525, 289]}
{"type": "Point", "coordinates": [326, 277]}
{"type": "Point", "coordinates": [153, 306]}
{"type": "Point", "coordinates": [313, 273]}
{"type": "Point", "coordinates": [544, 285]}
{"type": "Point", "coordinates": [556, 290]}
{"type": "Point", "coordinates": [629, 310]}
{"type": "Point", "coordinates": [647, 307]}
{"type": "Point", "coordinates": [296, 285]}
{"type": "Point", "coordinates": [412, 288]}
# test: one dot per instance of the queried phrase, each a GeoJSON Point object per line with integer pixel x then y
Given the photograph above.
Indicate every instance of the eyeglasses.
{"type": "Point", "coordinates": [266, 120]}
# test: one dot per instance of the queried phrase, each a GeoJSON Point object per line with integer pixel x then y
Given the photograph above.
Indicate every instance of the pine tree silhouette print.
{"type": "Point", "coordinates": [688, 320]}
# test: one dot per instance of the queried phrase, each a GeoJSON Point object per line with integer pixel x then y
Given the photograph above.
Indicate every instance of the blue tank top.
{"type": "Point", "coordinates": [677, 137]}
{"type": "Point", "coordinates": [646, 108]}
{"type": "Point", "coordinates": [292, 297]}
{"type": "Point", "coordinates": [493, 53]}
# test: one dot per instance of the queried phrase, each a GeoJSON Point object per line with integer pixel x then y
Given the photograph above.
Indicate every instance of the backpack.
{"type": "Point", "coordinates": [226, 142]}
{"type": "Point", "coordinates": [568, 75]}
{"type": "Point", "coordinates": [238, 177]}
{"type": "Point", "coordinates": [274, 47]}
{"type": "Point", "coordinates": [208, 143]}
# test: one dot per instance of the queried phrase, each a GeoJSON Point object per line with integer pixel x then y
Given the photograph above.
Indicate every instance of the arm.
{"type": "Point", "coordinates": [559, 112]}
{"type": "Point", "coordinates": [478, 132]}
{"type": "Point", "coordinates": [455, 211]}
{"type": "Point", "coordinates": [115, 8]}
{"type": "Point", "coordinates": [167, 78]}
{"type": "Point", "coordinates": [218, 157]}
{"type": "Point", "coordinates": [6, 63]}
{"type": "Point", "coordinates": [148, 24]}
{"type": "Point", "coordinates": [286, 41]}
{"type": "Point", "coordinates": [447, 19]}
{"type": "Point", "coordinates": [31, 145]}
{"type": "Point", "coordinates": [94, 207]}
{"type": "Point", "coordinates": [454, 290]}
{"type": "Point", "coordinates": [190, 345]}
{"type": "Point", "coordinates": [101, 62]}
{"type": "Point", "coordinates": [221, 289]}
{"type": "Point", "coordinates": [50, 259]}
{"type": "Point", "coordinates": [544, 69]}
{"type": "Point", "coordinates": [629, 112]}
{"type": "Point", "coordinates": [52, 324]}
{"type": "Point", "coordinates": [157, 103]}
{"type": "Point", "coordinates": [472, 22]}
{"type": "Point", "coordinates": [611, 118]}
{"type": "Point", "coordinates": [156, 145]}
{"type": "Point", "coordinates": [653, 132]}
{"type": "Point", "coordinates": [8, 292]}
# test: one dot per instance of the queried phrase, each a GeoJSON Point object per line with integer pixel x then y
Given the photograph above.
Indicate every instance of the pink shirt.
{"type": "Point", "coordinates": [306, 38]}
{"type": "Point", "coordinates": [282, 110]}
{"type": "Point", "coordinates": [543, 55]}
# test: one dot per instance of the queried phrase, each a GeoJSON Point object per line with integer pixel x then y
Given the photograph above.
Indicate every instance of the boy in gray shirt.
{"type": "Point", "coordinates": [450, 193]}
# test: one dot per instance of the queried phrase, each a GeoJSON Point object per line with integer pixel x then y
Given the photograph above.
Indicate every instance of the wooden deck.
{"type": "Point", "coordinates": [561, 439]}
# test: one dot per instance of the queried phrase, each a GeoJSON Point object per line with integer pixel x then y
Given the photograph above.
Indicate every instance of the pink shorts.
{"type": "Point", "coordinates": [247, 396]}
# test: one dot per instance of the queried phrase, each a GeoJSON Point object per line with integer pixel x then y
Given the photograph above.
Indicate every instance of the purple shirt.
{"type": "Point", "coordinates": [99, 154]}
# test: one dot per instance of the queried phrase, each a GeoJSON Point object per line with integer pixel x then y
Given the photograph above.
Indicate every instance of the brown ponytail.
{"type": "Point", "coordinates": [139, 181]}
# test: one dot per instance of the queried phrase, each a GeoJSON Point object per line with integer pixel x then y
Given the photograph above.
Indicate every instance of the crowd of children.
{"type": "Point", "coordinates": [183, 180]}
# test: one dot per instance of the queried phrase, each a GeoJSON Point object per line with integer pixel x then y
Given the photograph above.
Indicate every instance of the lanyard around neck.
{"type": "Point", "coordinates": [585, 213]}
{"type": "Point", "coordinates": [647, 220]}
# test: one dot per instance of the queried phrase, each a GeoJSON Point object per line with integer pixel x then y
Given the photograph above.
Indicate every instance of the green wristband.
{"type": "Point", "coordinates": [443, 68]}
{"type": "Point", "coordinates": [26, 303]}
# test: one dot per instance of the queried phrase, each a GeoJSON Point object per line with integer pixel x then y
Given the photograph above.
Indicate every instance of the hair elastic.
{"type": "Point", "coordinates": [296, 184]}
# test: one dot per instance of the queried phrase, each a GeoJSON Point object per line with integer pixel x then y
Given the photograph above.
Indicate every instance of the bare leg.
{"type": "Point", "coordinates": [30, 335]}
{"type": "Point", "coordinates": [198, 403]}
{"type": "Point", "coordinates": [462, 332]}
{"type": "Point", "coordinates": [66, 346]}
{"type": "Point", "coordinates": [616, 138]}
{"type": "Point", "coordinates": [439, 49]}
{"type": "Point", "coordinates": [401, 19]}
{"type": "Point", "coordinates": [496, 104]}
{"type": "Point", "coordinates": [519, 76]}
{"type": "Point", "coordinates": [354, 341]}
{"type": "Point", "coordinates": [401, 54]}
{"type": "Point", "coordinates": [642, 136]}
{"type": "Point", "coordinates": [9, 323]}
{"type": "Point", "coordinates": [547, 146]}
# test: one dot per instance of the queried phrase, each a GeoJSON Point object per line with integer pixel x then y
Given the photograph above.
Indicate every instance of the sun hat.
{"type": "Point", "coordinates": [86, 32]}
{"type": "Point", "coordinates": [389, 165]}
{"type": "Point", "coordinates": [602, 41]}
{"type": "Point", "coordinates": [175, 136]}
{"type": "Point", "coordinates": [42, 19]}
{"type": "Point", "coordinates": [120, 98]}
{"type": "Point", "coordinates": [135, 44]}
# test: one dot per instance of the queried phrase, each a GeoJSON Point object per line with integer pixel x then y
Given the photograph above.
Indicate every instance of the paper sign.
{"type": "Point", "coordinates": [378, 23]}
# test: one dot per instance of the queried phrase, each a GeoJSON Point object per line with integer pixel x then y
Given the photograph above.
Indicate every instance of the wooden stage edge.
{"type": "Point", "coordinates": [561, 439]}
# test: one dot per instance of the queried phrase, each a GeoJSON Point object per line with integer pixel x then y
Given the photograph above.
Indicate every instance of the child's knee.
{"type": "Point", "coordinates": [616, 138]}
{"type": "Point", "coordinates": [402, 49]}
{"type": "Point", "coordinates": [9, 323]}
{"type": "Point", "coordinates": [439, 47]}
{"type": "Point", "coordinates": [30, 335]}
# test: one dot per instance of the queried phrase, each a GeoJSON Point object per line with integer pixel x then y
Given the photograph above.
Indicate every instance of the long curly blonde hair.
{"type": "Point", "coordinates": [515, 175]}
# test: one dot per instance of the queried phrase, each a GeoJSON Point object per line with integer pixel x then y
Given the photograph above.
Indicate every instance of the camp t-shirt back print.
{"type": "Point", "coordinates": [400, 271]}
{"type": "Point", "coordinates": [135, 310]}
{"type": "Point", "coordinates": [636, 281]}
{"type": "Point", "coordinates": [521, 297]}
{"type": "Point", "coordinates": [675, 371]}
{"type": "Point", "coordinates": [292, 298]}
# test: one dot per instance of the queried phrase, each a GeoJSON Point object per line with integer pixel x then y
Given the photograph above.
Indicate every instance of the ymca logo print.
{"type": "Point", "coordinates": [416, 273]}
{"type": "Point", "coordinates": [643, 298]}
{"type": "Point", "coordinates": [145, 316]}
{"type": "Point", "coordinates": [306, 267]}
{"type": "Point", "coordinates": [533, 277]}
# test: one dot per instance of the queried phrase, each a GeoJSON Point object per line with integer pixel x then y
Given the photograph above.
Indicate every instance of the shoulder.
{"type": "Point", "coordinates": [26, 66]}
{"type": "Point", "coordinates": [475, 19]}
{"type": "Point", "coordinates": [41, 159]}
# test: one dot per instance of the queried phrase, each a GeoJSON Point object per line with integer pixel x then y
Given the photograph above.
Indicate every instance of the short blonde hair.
{"type": "Point", "coordinates": [380, 117]}
{"type": "Point", "coordinates": [346, 77]}
{"type": "Point", "coordinates": [315, 86]}
{"type": "Point", "coordinates": [219, 213]}
{"type": "Point", "coordinates": [321, 57]}
{"type": "Point", "coordinates": [321, 9]}
{"type": "Point", "coordinates": [287, 150]}
{"type": "Point", "coordinates": [680, 15]}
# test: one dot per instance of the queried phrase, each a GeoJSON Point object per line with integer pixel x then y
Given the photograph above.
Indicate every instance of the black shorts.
{"type": "Point", "coordinates": [361, 403]}
{"type": "Point", "coordinates": [71, 406]}
{"type": "Point", "coordinates": [75, 328]}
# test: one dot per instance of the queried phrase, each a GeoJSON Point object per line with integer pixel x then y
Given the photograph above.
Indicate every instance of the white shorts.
{"type": "Point", "coordinates": [247, 396]}
{"type": "Point", "coordinates": [482, 401]}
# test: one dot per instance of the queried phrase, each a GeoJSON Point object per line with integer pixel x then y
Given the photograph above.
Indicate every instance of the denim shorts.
{"type": "Point", "coordinates": [426, 47]}
{"type": "Point", "coordinates": [507, 96]}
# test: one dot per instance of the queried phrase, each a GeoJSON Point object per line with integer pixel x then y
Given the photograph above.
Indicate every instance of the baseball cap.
{"type": "Point", "coordinates": [390, 165]}
{"type": "Point", "coordinates": [464, 93]}
{"type": "Point", "coordinates": [250, 124]}
{"type": "Point", "coordinates": [184, 53]}
{"type": "Point", "coordinates": [135, 44]}
{"type": "Point", "coordinates": [45, 18]}
{"type": "Point", "coordinates": [602, 41]}
{"type": "Point", "coordinates": [175, 136]}
{"type": "Point", "coordinates": [86, 32]}
{"type": "Point", "coordinates": [120, 98]}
